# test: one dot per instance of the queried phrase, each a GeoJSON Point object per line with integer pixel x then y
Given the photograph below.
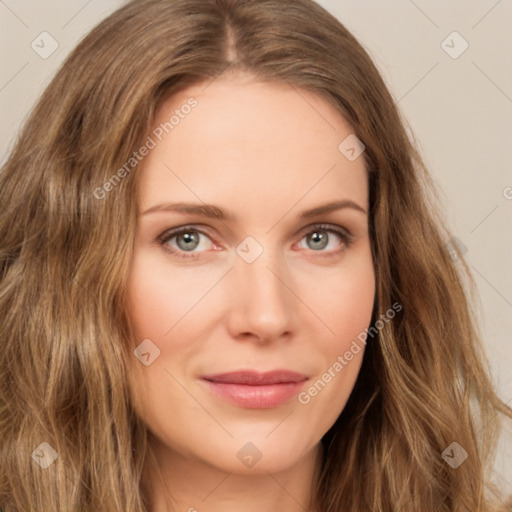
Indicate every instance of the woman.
{"type": "Point", "coordinates": [223, 283]}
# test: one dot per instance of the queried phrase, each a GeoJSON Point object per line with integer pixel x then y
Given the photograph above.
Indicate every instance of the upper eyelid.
{"type": "Point", "coordinates": [340, 230]}
{"type": "Point", "coordinates": [171, 233]}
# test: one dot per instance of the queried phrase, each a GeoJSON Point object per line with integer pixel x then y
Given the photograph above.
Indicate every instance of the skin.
{"type": "Point", "coordinates": [265, 152]}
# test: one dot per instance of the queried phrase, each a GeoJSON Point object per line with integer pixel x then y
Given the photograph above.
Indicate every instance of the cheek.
{"type": "Point", "coordinates": [146, 299]}
{"type": "Point", "coordinates": [343, 302]}
{"type": "Point", "coordinates": [346, 305]}
{"type": "Point", "coordinates": [161, 294]}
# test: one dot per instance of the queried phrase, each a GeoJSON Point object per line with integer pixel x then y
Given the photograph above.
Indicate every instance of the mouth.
{"type": "Point", "coordinates": [254, 390]}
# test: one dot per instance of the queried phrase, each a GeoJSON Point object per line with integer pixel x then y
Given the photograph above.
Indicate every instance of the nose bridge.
{"type": "Point", "coordinates": [262, 304]}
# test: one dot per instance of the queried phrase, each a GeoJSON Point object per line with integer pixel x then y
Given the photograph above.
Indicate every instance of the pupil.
{"type": "Point", "coordinates": [188, 238]}
{"type": "Point", "coordinates": [319, 239]}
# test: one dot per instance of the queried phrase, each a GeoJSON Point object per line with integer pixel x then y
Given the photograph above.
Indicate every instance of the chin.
{"type": "Point", "coordinates": [257, 456]}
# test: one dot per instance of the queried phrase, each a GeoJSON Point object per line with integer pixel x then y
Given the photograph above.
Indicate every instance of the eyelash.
{"type": "Point", "coordinates": [345, 236]}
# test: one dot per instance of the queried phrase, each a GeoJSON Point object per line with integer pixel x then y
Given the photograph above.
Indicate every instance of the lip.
{"type": "Point", "coordinates": [255, 390]}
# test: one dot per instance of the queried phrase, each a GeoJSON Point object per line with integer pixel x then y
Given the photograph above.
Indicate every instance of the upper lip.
{"type": "Point", "coordinates": [255, 378]}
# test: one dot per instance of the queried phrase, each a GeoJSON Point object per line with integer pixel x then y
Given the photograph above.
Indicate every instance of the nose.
{"type": "Point", "coordinates": [262, 306]}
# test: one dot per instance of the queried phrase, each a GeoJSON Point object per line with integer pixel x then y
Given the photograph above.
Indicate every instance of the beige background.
{"type": "Point", "coordinates": [460, 109]}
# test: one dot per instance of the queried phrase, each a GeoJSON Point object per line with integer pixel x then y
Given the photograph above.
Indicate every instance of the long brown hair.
{"type": "Point", "coordinates": [65, 333]}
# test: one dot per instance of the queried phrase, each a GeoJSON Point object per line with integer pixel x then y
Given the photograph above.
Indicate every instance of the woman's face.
{"type": "Point", "coordinates": [250, 292]}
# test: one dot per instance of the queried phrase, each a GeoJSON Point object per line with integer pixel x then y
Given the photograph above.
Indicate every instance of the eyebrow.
{"type": "Point", "coordinates": [215, 212]}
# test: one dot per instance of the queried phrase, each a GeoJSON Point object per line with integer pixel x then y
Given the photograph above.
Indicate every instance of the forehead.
{"type": "Point", "coordinates": [253, 144]}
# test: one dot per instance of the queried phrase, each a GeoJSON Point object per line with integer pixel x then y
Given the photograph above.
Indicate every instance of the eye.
{"type": "Point", "coordinates": [322, 236]}
{"type": "Point", "coordinates": [184, 241]}
{"type": "Point", "coordinates": [189, 242]}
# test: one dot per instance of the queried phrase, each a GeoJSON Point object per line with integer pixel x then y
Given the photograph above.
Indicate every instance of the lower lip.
{"type": "Point", "coordinates": [256, 397]}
